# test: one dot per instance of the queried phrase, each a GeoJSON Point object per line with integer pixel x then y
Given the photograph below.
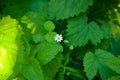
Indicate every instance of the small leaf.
{"type": "Point", "coordinates": [47, 51]}
{"type": "Point", "coordinates": [49, 25]}
{"type": "Point", "coordinates": [50, 37]}
{"type": "Point", "coordinates": [33, 71]}
{"type": "Point", "coordinates": [92, 62]}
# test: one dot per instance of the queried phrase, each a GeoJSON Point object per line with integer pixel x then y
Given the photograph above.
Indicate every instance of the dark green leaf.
{"type": "Point", "coordinates": [63, 9]}
{"type": "Point", "coordinates": [94, 62]}
{"type": "Point", "coordinates": [79, 32]}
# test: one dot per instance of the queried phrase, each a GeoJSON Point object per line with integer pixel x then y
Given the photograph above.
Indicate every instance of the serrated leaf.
{"type": "Point", "coordinates": [79, 32]}
{"type": "Point", "coordinates": [52, 67]}
{"type": "Point", "coordinates": [114, 64]}
{"type": "Point", "coordinates": [90, 65]}
{"type": "Point", "coordinates": [10, 41]}
{"type": "Point", "coordinates": [92, 62]}
{"type": "Point", "coordinates": [47, 51]}
{"type": "Point", "coordinates": [33, 71]}
{"type": "Point", "coordinates": [65, 8]}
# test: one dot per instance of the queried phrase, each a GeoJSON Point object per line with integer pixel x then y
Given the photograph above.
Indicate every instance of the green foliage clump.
{"type": "Point", "coordinates": [59, 40]}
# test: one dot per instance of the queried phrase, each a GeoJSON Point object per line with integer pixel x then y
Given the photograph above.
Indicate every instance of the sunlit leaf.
{"type": "Point", "coordinates": [9, 45]}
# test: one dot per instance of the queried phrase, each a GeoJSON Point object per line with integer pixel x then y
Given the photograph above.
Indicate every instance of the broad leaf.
{"type": "Point", "coordinates": [33, 71]}
{"type": "Point", "coordinates": [48, 51]}
{"type": "Point", "coordinates": [94, 62]}
{"type": "Point", "coordinates": [9, 45]}
{"type": "Point", "coordinates": [63, 9]}
{"type": "Point", "coordinates": [79, 32]}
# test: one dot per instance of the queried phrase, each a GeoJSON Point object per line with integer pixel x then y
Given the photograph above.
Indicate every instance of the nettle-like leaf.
{"type": "Point", "coordinates": [47, 51]}
{"type": "Point", "coordinates": [64, 9]}
{"type": "Point", "coordinates": [9, 45]}
{"type": "Point", "coordinates": [33, 71]}
{"type": "Point", "coordinates": [79, 32]}
{"type": "Point", "coordinates": [96, 61]}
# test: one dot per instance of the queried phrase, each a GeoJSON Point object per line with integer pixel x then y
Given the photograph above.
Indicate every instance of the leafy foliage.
{"type": "Point", "coordinates": [79, 32]}
{"type": "Point", "coordinates": [59, 40]}
{"type": "Point", "coordinates": [49, 50]}
{"type": "Point", "coordinates": [9, 35]}
{"type": "Point", "coordinates": [65, 9]}
{"type": "Point", "coordinates": [95, 62]}
{"type": "Point", "coordinates": [114, 65]}
{"type": "Point", "coordinates": [34, 68]}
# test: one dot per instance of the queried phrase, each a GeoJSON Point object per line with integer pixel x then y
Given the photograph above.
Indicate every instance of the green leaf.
{"type": "Point", "coordinates": [10, 45]}
{"type": "Point", "coordinates": [114, 78]}
{"type": "Point", "coordinates": [47, 51]}
{"type": "Point", "coordinates": [79, 32]}
{"type": "Point", "coordinates": [114, 64]}
{"type": "Point", "coordinates": [33, 71]}
{"type": "Point", "coordinates": [65, 9]}
{"type": "Point", "coordinates": [52, 67]}
{"type": "Point", "coordinates": [90, 65]}
{"type": "Point", "coordinates": [38, 38]}
{"type": "Point", "coordinates": [50, 37]}
{"type": "Point", "coordinates": [92, 62]}
{"type": "Point", "coordinates": [105, 72]}
{"type": "Point", "coordinates": [49, 25]}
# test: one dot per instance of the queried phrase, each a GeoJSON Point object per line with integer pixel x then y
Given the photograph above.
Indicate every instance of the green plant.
{"type": "Point", "coordinates": [59, 40]}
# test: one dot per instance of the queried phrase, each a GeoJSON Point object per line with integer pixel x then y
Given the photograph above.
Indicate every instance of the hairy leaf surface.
{"type": "Point", "coordinates": [63, 9]}
{"type": "Point", "coordinates": [79, 32]}
{"type": "Point", "coordinates": [95, 61]}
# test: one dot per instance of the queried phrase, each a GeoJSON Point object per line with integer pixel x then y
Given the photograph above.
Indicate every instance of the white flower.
{"type": "Point", "coordinates": [58, 38]}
